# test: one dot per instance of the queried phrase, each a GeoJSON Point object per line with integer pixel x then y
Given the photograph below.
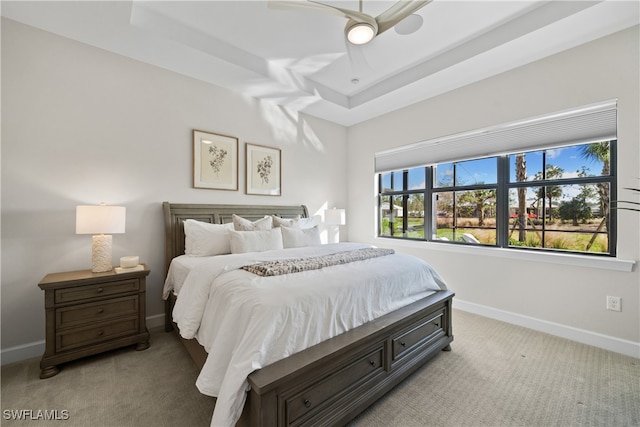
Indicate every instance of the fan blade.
{"type": "Point", "coordinates": [396, 13]}
{"type": "Point", "coordinates": [321, 7]}
{"type": "Point", "coordinates": [357, 59]}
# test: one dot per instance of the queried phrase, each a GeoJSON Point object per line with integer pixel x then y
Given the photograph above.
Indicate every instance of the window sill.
{"type": "Point", "coordinates": [603, 263]}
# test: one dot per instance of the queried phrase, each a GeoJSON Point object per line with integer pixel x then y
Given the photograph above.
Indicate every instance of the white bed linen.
{"type": "Point", "coordinates": [246, 322]}
{"type": "Point", "coordinates": [179, 269]}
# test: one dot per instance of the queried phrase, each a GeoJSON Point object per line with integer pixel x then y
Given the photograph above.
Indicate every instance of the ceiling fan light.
{"type": "Point", "coordinates": [360, 33]}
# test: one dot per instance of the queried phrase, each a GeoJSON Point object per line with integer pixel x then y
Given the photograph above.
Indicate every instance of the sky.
{"type": "Point", "coordinates": [479, 171]}
{"type": "Point", "coordinates": [569, 159]}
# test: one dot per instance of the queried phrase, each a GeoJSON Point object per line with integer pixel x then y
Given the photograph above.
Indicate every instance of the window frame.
{"type": "Point", "coordinates": [405, 193]}
{"type": "Point", "coordinates": [502, 188]}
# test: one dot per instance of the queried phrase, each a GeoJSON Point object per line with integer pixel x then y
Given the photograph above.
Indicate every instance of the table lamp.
{"type": "Point", "coordinates": [335, 217]}
{"type": "Point", "coordinates": [101, 221]}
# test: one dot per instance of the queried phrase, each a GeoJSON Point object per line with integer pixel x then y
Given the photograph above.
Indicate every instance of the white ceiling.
{"type": "Point", "coordinates": [299, 59]}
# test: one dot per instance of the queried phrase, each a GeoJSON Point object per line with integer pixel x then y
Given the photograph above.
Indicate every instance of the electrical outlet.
{"type": "Point", "coordinates": [614, 303]}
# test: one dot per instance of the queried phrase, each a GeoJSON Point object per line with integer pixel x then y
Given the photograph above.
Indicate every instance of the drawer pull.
{"type": "Point", "coordinates": [100, 333]}
{"type": "Point", "coordinates": [402, 343]}
{"type": "Point", "coordinates": [99, 290]}
{"type": "Point", "coordinates": [372, 362]}
{"type": "Point", "coordinates": [307, 403]}
{"type": "Point", "coordinates": [100, 310]}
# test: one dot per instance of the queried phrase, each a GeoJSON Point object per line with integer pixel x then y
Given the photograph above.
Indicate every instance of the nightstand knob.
{"type": "Point", "coordinates": [99, 290]}
{"type": "Point", "coordinates": [100, 310]}
{"type": "Point", "coordinates": [100, 333]}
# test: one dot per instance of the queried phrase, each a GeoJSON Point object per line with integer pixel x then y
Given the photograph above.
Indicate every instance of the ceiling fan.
{"type": "Point", "coordinates": [361, 28]}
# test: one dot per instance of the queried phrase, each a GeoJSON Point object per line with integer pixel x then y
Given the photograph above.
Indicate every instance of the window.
{"type": "Point", "coordinates": [551, 199]}
{"type": "Point", "coordinates": [402, 203]}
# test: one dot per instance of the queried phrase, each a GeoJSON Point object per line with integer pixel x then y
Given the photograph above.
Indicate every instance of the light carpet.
{"type": "Point", "coordinates": [497, 374]}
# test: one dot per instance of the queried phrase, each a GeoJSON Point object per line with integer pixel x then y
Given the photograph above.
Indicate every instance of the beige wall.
{"type": "Point", "coordinates": [537, 293]}
{"type": "Point", "coordinates": [82, 126]}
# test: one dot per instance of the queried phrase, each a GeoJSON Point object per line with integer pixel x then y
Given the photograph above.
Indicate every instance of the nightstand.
{"type": "Point", "coordinates": [88, 313]}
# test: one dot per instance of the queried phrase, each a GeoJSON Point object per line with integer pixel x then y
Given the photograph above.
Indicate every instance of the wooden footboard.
{"type": "Point", "coordinates": [332, 382]}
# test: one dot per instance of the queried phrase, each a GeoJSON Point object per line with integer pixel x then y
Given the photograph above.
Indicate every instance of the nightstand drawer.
{"type": "Point", "coordinates": [96, 311]}
{"type": "Point", "coordinates": [73, 338]}
{"type": "Point", "coordinates": [92, 291]}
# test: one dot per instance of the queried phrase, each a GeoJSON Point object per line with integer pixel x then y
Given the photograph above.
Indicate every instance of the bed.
{"type": "Point", "coordinates": [328, 382]}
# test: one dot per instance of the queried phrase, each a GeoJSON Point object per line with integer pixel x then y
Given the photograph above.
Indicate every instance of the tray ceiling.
{"type": "Point", "coordinates": [299, 59]}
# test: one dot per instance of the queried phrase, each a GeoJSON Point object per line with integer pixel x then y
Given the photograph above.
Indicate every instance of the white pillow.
{"type": "Point", "coordinates": [243, 224]}
{"type": "Point", "coordinates": [297, 237]}
{"type": "Point", "coordinates": [205, 239]}
{"type": "Point", "coordinates": [309, 222]}
{"type": "Point", "coordinates": [286, 222]}
{"type": "Point", "coordinates": [255, 241]}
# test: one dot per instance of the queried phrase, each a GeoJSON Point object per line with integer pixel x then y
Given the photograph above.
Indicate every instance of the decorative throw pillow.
{"type": "Point", "coordinates": [255, 241]}
{"type": "Point", "coordinates": [285, 222]}
{"type": "Point", "coordinates": [243, 224]}
{"type": "Point", "coordinates": [205, 239]}
{"type": "Point", "coordinates": [309, 222]}
{"type": "Point", "coordinates": [298, 237]}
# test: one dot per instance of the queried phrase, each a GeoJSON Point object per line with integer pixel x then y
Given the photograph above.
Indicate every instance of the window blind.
{"type": "Point", "coordinates": [590, 123]}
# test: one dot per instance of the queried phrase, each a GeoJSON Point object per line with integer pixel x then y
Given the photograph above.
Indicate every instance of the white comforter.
{"type": "Point", "coordinates": [246, 322]}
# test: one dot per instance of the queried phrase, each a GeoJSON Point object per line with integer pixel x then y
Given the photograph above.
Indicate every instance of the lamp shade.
{"type": "Point", "coordinates": [334, 216]}
{"type": "Point", "coordinates": [101, 219]}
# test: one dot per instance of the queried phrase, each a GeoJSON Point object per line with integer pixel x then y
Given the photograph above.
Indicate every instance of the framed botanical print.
{"type": "Point", "coordinates": [215, 161]}
{"type": "Point", "coordinates": [263, 170]}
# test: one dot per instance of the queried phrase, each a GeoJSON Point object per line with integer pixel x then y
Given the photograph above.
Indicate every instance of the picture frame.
{"type": "Point", "coordinates": [215, 161]}
{"type": "Point", "coordinates": [263, 168]}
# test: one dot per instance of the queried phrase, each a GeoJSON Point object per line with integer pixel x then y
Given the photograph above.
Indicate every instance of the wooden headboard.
{"type": "Point", "coordinates": [176, 213]}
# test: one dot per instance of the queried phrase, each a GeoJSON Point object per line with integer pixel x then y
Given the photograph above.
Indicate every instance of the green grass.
{"type": "Point", "coordinates": [570, 241]}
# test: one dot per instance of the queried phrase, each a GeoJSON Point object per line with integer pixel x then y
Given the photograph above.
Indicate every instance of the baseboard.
{"type": "Point", "coordinates": [36, 349]}
{"type": "Point", "coordinates": [628, 348]}
{"type": "Point", "coordinates": [155, 321]}
{"type": "Point", "coordinates": [617, 345]}
{"type": "Point", "coordinates": [21, 352]}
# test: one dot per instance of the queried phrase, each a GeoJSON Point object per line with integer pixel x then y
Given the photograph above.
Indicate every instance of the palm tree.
{"type": "Point", "coordinates": [521, 175]}
{"type": "Point", "coordinates": [551, 191]}
{"type": "Point", "coordinates": [599, 151]}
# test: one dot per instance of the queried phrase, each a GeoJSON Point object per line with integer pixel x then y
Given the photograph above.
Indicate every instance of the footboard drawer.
{"type": "Point", "coordinates": [302, 405]}
{"type": "Point", "coordinates": [417, 335]}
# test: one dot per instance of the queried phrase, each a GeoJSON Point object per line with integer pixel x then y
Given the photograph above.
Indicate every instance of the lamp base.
{"type": "Point", "coordinates": [333, 234]}
{"type": "Point", "coordinates": [101, 253]}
